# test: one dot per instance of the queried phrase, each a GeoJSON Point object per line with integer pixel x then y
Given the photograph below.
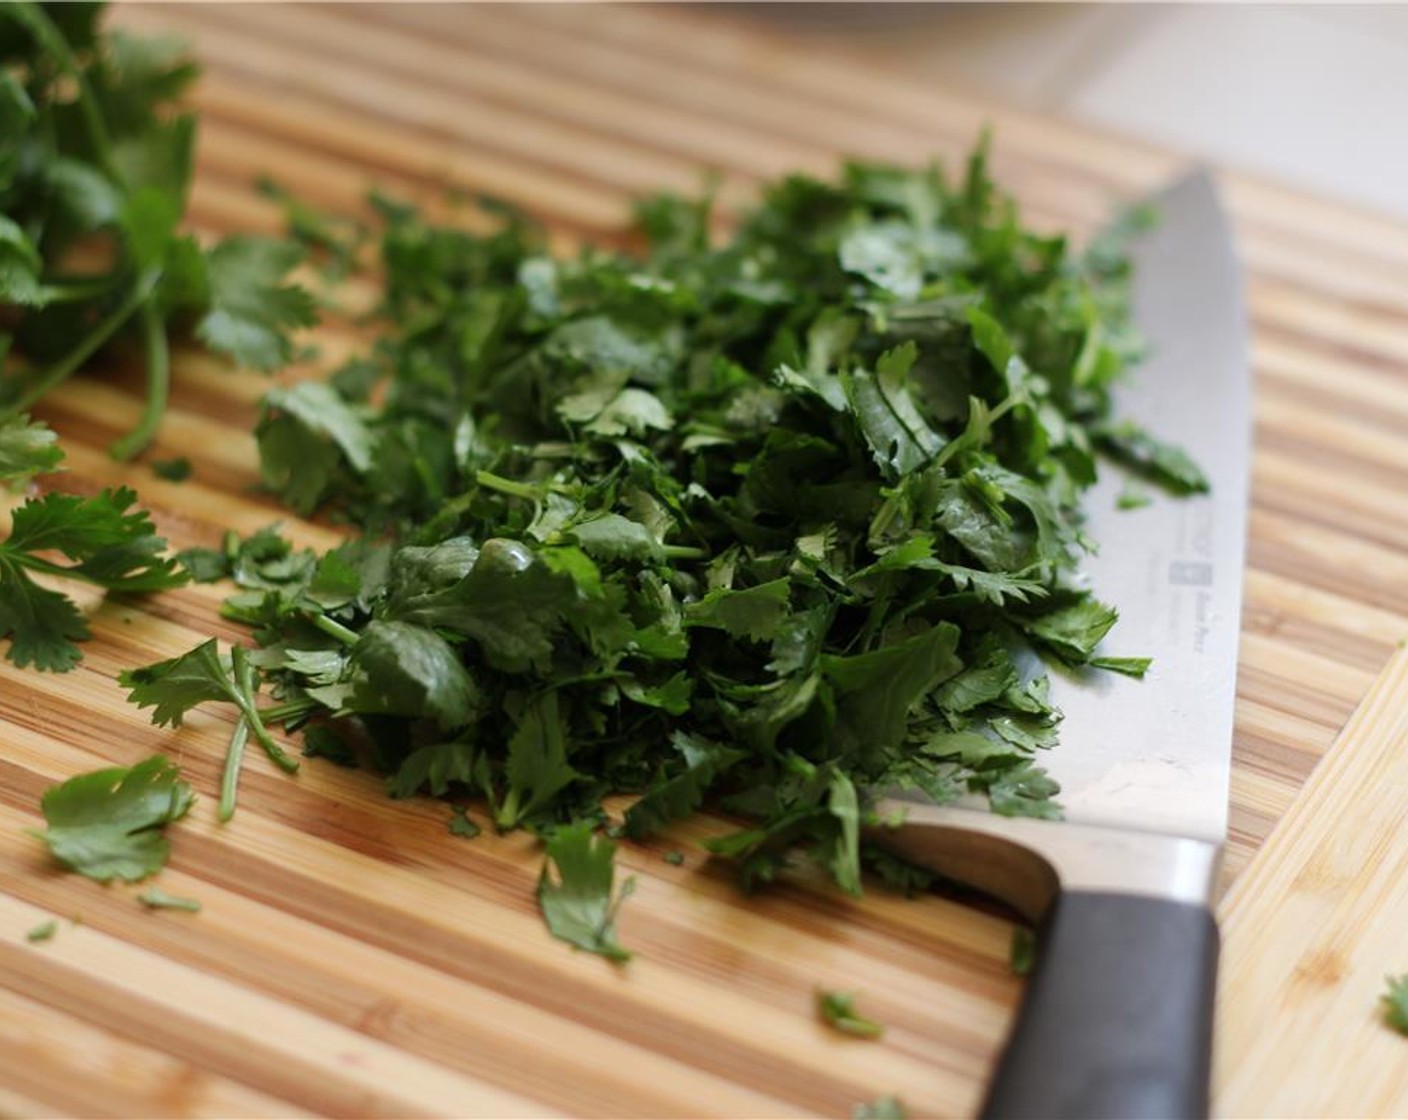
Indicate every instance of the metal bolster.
{"type": "Point", "coordinates": [1026, 862]}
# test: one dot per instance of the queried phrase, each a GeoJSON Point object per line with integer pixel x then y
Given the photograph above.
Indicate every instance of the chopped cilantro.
{"type": "Point", "coordinates": [27, 447]}
{"type": "Point", "coordinates": [838, 1010]}
{"type": "Point", "coordinates": [773, 523]}
{"type": "Point", "coordinates": [154, 898]}
{"type": "Point", "coordinates": [108, 824]}
{"type": "Point", "coordinates": [578, 903]}
{"type": "Point", "coordinates": [673, 858]}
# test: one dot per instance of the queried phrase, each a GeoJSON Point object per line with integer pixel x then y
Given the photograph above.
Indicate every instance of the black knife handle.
{"type": "Point", "coordinates": [1117, 1020]}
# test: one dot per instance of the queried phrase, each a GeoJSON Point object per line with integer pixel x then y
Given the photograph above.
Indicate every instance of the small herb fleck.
{"type": "Point", "coordinates": [1132, 497]}
{"type": "Point", "coordinates": [44, 931]}
{"type": "Point", "coordinates": [173, 470]}
{"type": "Point", "coordinates": [882, 1108]}
{"type": "Point", "coordinates": [674, 859]}
{"type": "Point", "coordinates": [158, 899]}
{"type": "Point", "coordinates": [1023, 954]}
{"type": "Point", "coordinates": [838, 1010]}
{"type": "Point", "coordinates": [461, 825]}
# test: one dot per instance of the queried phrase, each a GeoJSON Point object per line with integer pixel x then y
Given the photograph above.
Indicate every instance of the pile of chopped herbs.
{"type": "Point", "coordinates": [772, 523]}
{"type": "Point", "coordinates": [96, 156]}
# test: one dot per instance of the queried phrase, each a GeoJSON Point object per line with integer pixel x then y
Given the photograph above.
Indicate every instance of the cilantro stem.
{"type": "Point", "coordinates": [244, 689]}
{"type": "Point", "coordinates": [69, 363]}
{"type": "Point", "coordinates": [229, 783]}
{"type": "Point", "coordinates": [334, 629]}
{"type": "Point", "coordinates": [291, 709]}
{"type": "Point", "coordinates": [158, 386]}
{"type": "Point", "coordinates": [74, 289]}
{"type": "Point", "coordinates": [523, 490]}
{"type": "Point", "coordinates": [685, 552]}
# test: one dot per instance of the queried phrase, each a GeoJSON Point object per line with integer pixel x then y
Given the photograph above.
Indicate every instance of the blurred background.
{"type": "Point", "coordinates": [1310, 94]}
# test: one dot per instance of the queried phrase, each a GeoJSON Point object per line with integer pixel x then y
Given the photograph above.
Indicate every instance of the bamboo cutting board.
{"type": "Point", "coordinates": [355, 959]}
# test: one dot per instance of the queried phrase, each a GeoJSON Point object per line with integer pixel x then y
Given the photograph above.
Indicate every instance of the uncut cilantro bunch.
{"type": "Point", "coordinates": [95, 167]}
{"type": "Point", "coordinates": [774, 523]}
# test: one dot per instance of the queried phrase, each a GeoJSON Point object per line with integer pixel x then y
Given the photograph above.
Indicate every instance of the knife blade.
{"type": "Point", "coordinates": [1117, 1018]}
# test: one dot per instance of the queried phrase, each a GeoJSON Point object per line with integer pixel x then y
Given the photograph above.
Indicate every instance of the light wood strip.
{"type": "Point", "coordinates": [81, 1070]}
{"type": "Point", "coordinates": [222, 1027]}
{"type": "Point", "coordinates": [380, 994]}
{"type": "Point", "coordinates": [495, 947]}
{"type": "Point", "coordinates": [1313, 926]}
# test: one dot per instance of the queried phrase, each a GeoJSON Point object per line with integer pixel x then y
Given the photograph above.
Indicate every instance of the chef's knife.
{"type": "Point", "coordinates": [1117, 1019]}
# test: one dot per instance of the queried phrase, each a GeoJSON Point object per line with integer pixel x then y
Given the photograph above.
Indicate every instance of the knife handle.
{"type": "Point", "coordinates": [1117, 1019]}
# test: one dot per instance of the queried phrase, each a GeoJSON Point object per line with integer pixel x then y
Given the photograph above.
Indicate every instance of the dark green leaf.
{"type": "Point", "coordinates": [108, 824]}
{"type": "Point", "coordinates": [252, 311]}
{"type": "Point", "coordinates": [577, 902]}
{"type": "Point", "coordinates": [27, 447]}
{"type": "Point", "coordinates": [402, 669]}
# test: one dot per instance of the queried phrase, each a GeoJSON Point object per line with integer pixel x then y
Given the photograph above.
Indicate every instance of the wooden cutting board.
{"type": "Point", "coordinates": [352, 957]}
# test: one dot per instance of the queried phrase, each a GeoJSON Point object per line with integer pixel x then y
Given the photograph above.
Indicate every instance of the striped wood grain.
{"type": "Point", "coordinates": [1313, 926]}
{"type": "Point", "coordinates": [352, 958]}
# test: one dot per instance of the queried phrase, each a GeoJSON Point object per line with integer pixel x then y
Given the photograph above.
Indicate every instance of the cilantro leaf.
{"type": "Point", "coordinates": [175, 686]}
{"type": "Point", "coordinates": [678, 795]}
{"type": "Point", "coordinates": [110, 546]}
{"type": "Point", "coordinates": [1149, 456]}
{"type": "Point", "coordinates": [409, 670]}
{"type": "Point", "coordinates": [108, 824]}
{"type": "Point", "coordinates": [773, 522]}
{"type": "Point", "coordinates": [27, 447]}
{"type": "Point", "coordinates": [838, 1010]}
{"type": "Point", "coordinates": [42, 625]}
{"type": "Point", "coordinates": [172, 688]}
{"type": "Point", "coordinates": [537, 767]}
{"type": "Point", "coordinates": [461, 825]}
{"type": "Point", "coordinates": [1073, 632]}
{"type": "Point", "coordinates": [252, 311]}
{"type": "Point", "coordinates": [900, 438]}
{"type": "Point", "coordinates": [876, 690]}
{"type": "Point", "coordinates": [755, 613]}
{"type": "Point", "coordinates": [578, 903]}
{"type": "Point", "coordinates": [435, 767]}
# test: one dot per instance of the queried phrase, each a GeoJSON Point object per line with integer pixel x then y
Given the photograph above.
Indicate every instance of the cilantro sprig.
{"type": "Point", "coordinates": [95, 169]}
{"type": "Point", "coordinates": [105, 541]}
